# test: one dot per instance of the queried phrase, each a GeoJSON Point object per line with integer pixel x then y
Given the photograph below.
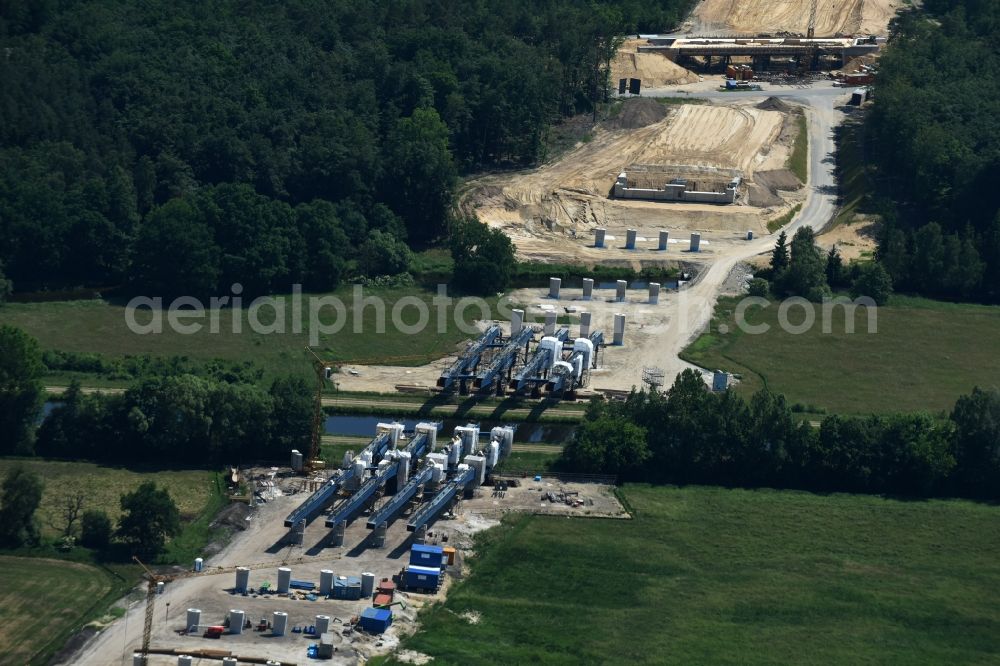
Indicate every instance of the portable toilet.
{"type": "Point", "coordinates": [376, 620]}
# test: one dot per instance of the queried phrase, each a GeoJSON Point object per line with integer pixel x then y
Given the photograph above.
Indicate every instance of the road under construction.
{"type": "Point", "coordinates": [764, 52]}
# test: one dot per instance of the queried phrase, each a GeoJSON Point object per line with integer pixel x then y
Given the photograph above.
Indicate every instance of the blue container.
{"type": "Point", "coordinates": [426, 556]}
{"type": "Point", "coordinates": [422, 578]}
{"type": "Point", "coordinates": [347, 587]}
{"type": "Point", "coordinates": [376, 620]}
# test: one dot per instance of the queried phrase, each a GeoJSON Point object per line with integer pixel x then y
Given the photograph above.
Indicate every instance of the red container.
{"type": "Point", "coordinates": [386, 587]}
{"type": "Point", "coordinates": [382, 600]}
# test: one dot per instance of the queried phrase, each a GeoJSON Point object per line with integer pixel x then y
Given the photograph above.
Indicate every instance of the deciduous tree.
{"type": "Point", "coordinates": [22, 493]}
{"type": "Point", "coordinates": [20, 389]}
{"type": "Point", "coordinates": [149, 517]}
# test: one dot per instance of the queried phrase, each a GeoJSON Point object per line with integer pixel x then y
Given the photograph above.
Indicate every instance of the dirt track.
{"type": "Point", "coordinates": [829, 17]}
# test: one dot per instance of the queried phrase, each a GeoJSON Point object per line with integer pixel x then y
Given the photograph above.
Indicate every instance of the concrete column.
{"type": "Point", "coordinates": [588, 289]}
{"type": "Point", "coordinates": [284, 579]}
{"type": "Point", "coordinates": [654, 293]}
{"type": "Point", "coordinates": [516, 321]}
{"type": "Point", "coordinates": [236, 620]}
{"type": "Point", "coordinates": [554, 285]}
{"type": "Point", "coordinates": [337, 538]}
{"type": "Point", "coordinates": [403, 468]}
{"type": "Point", "coordinates": [584, 324]}
{"type": "Point", "coordinates": [550, 323]}
{"type": "Point", "coordinates": [599, 237]}
{"type": "Point", "coordinates": [630, 239]}
{"type": "Point", "coordinates": [279, 623]}
{"type": "Point", "coordinates": [193, 618]}
{"type": "Point", "coordinates": [695, 242]}
{"type": "Point", "coordinates": [664, 239]}
{"type": "Point", "coordinates": [242, 579]}
{"type": "Point", "coordinates": [619, 338]}
{"type": "Point", "coordinates": [325, 582]}
{"type": "Point", "coordinates": [620, 291]}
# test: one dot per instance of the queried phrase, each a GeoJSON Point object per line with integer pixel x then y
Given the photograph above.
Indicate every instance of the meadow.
{"type": "Point", "coordinates": [102, 486]}
{"type": "Point", "coordinates": [713, 575]}
{"type": "Point", "coordinates": [923, 355]}
{"type": "Point", "coordinates": [42, 602]}
{"type": "Point", "coordinates": [99, 326]}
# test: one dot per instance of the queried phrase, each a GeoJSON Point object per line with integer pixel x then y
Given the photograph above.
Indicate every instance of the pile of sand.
{"type": "Point", "coordinates": [763, 193]}
{"type": "Point", "coordinates": [777, 179]}
{"type": "Point", "coordinates": [853, 66]}
{"type": "Point", "coordinates": [653, 69]}
{"type": "Point", "coordinates": [774, 104]}
{"type": "Point", "coordinates": [762, 197]}
{"type": "Point", "coordinates": [638, 112]}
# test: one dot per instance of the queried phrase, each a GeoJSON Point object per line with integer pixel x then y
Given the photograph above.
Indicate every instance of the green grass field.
{"type": "Point", "coordinates": [42, 602]}
{"type": "Point", "coordinates": [922, 357]}
{"type": "Point", "coordinates": [782, 220]}
{"type": "Point", "coordinates": [103, 486]}
{"type": "Point", "coordinates": [100, 327]}
{"type": "Point", "coordinates": [535, 461]}
{"type": "Point", "coordinates": [710, 575]}
{"type": "Point", "coordinates": [798, 160]}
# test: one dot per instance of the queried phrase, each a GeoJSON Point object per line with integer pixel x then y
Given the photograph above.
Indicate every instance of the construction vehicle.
{"type": "Point", "coordinates": [215, 631]}
{"type": "Point", "coordinates": [153, 578]}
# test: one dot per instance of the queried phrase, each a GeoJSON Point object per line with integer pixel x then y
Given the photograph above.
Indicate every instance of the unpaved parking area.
{"type": "Point", "coordinates": [550, 496]}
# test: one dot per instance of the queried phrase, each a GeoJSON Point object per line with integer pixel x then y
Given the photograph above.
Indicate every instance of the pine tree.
{"type": "Point", "coordinates": [779, 257]}
{"type": "Point", "coordinates": [834, 268]}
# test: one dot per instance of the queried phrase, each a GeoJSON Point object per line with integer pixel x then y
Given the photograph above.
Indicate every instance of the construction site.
{"type": "Point", "coordinates": [335, 564]}
{"type": "Point", "coordinates": [738, 151]}
{"type": "Point", "coordinates": [764, 53]}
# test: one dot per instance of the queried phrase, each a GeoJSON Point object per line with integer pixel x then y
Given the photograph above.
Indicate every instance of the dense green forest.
{"type": "Point", "coordinates": [690, 435]}
{"type": "Point", "coordinates": [933, 138]}
{"type": "Point", "coordinates": [180, 146]}
{"type": "Point", "coordinates": [168, 413]}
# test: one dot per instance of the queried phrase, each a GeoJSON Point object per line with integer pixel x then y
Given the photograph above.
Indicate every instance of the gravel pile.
{"type": "Point", "coordinates": [638, 112]}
